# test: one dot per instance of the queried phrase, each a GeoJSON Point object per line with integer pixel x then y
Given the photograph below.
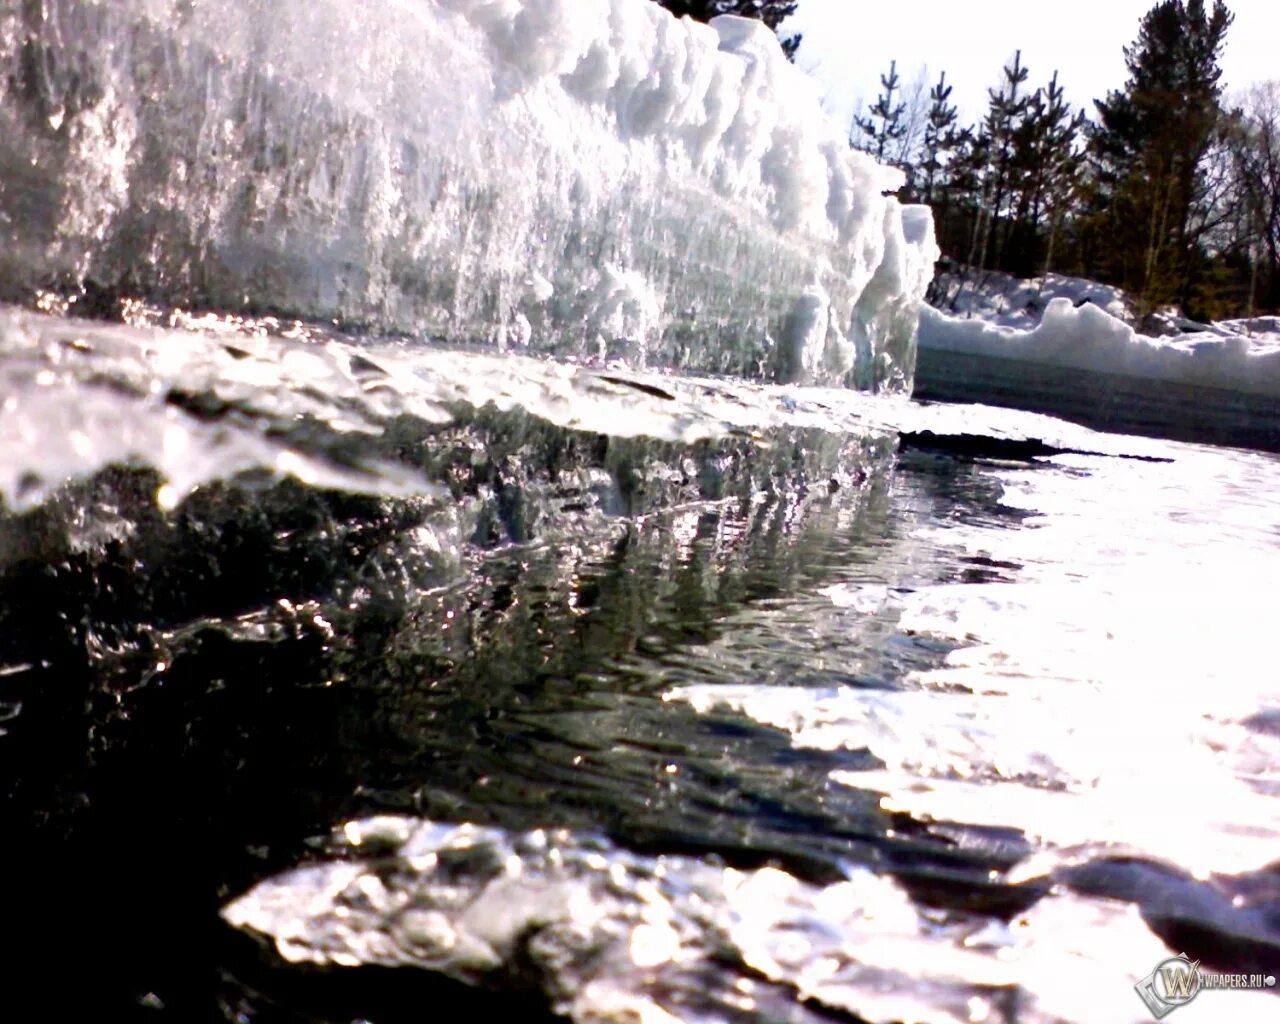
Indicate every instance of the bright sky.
{"type": "Point", "coordinates": [849, 43]}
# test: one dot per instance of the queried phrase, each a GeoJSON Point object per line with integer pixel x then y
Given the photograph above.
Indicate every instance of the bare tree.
{"type": "Point", "coordinates": [1257, 167]}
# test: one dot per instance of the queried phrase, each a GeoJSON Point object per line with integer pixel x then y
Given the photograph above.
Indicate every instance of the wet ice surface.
{"type": "Point", "coordinates": [201, 398]}
{"type": "Point", "coordinates": [218, 398]}
{"type": "Point", "coordinates": [628, 696]}
{"type": "Point", "coordinates": [1104, 688]}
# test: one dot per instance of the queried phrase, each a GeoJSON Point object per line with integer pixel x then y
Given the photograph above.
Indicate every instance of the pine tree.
{"type": "Point", "coordinates": [1006, 109]}
{"type": "Point", "coordinates": [1002, 191]}
{"type": "Point", "coordinates": [884, 125]}
{"type": "Point", "coordinates": [940, 137]}
{"type": "Point", "coordinates": [1048, 162]}
{"type": "Point", "coordinates": [968, 188]}
{"type": "Point", "coordinates": [1149, 152]}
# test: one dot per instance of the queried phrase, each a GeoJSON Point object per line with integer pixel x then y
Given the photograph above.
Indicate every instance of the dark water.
{"type": "Point", "coordinates": [981, 733]}
{"type": "Point", "coordinates": [528, 696]}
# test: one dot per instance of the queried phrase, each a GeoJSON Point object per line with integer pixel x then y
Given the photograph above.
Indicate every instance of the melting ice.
{"type": "Point", "coordinates": [592, 178]}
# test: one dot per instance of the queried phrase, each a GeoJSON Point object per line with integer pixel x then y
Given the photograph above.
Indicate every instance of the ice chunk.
{"type": "Point", "coordinates": [463, 168]}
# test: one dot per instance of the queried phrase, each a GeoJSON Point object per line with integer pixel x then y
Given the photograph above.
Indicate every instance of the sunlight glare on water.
{"type": "Point", "coordinates": [1104, 699]}
{"type": "Point", "coordinates": [1131, 653]}
{"type": "Point", "coordinates": [1103, 694]}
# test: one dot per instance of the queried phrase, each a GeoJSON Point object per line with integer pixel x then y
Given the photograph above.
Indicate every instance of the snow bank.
{"type": "Point", "coordinates": [415, 165]}
{"type": "Point", "coordinates": [1066, 346]}
{"type": "Point", "coordinates": [1017, 302]}
{"type": "Point", "coordinates": [1087, 337]}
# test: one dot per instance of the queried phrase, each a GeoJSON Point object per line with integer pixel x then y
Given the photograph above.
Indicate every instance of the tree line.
{"type": "Point", "coordinates": [1168, 191]}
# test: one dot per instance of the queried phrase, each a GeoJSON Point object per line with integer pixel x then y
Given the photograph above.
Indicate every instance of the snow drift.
{"type": "Point", "coordinates": [1089, 338]}
{"type": "Point", "coordinates": [1062, 345]}
{"type": "Point", "coordinates": [591, 178]}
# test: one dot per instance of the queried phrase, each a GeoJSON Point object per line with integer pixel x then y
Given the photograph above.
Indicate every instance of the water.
{"type": "Point", "coordinates": [614, 696]}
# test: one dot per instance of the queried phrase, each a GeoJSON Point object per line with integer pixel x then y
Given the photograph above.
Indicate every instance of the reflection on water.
{"type": "Point", "coordinates": [1107, 675]}
{"type": "Point", "coordinates": [966, 741]}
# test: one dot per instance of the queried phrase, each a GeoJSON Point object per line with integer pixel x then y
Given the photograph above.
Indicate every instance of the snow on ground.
{"type": "Point", "coordinates": [1012, 302]}
{"type": "Point", "coordinates": [1079, 324]}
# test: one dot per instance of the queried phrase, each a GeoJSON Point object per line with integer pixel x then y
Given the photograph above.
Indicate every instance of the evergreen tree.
{"type": "Point", "coordinates": [1048, 163]}
{"type": "Point", "coordinates": [1149, 152]}
{"type": "Point", "coordinates": [884, 125]}
{"type": "Point", "coordinates": [1007, 107]}
{"type": "Point", "coordinates": [940, 137]}
{"type": "Point", "coordinates": [968, 189]}
{"type": "Point", "coordinates": [1002, 191]}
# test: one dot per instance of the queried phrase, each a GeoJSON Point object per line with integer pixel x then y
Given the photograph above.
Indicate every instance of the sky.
{"type": "Point", "coordinates": [849, 43]}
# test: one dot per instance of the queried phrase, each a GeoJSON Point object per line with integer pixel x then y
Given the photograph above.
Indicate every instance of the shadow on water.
{"type": "Point", "coordinates": [191, 717]}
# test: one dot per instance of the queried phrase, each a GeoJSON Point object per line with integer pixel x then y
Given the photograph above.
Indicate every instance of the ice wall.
{"type": "Point", "coordinates": [591, 178]}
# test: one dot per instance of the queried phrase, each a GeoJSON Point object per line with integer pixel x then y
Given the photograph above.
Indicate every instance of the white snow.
{"type": "Point", "coordinates": [1013, 302]}
{"type": "Point", "coordinates": [1069, 322]}
{"type": "Point", "coordinates": [626, 314]}
{"type": "Point", "coordinates": [551, 173]}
